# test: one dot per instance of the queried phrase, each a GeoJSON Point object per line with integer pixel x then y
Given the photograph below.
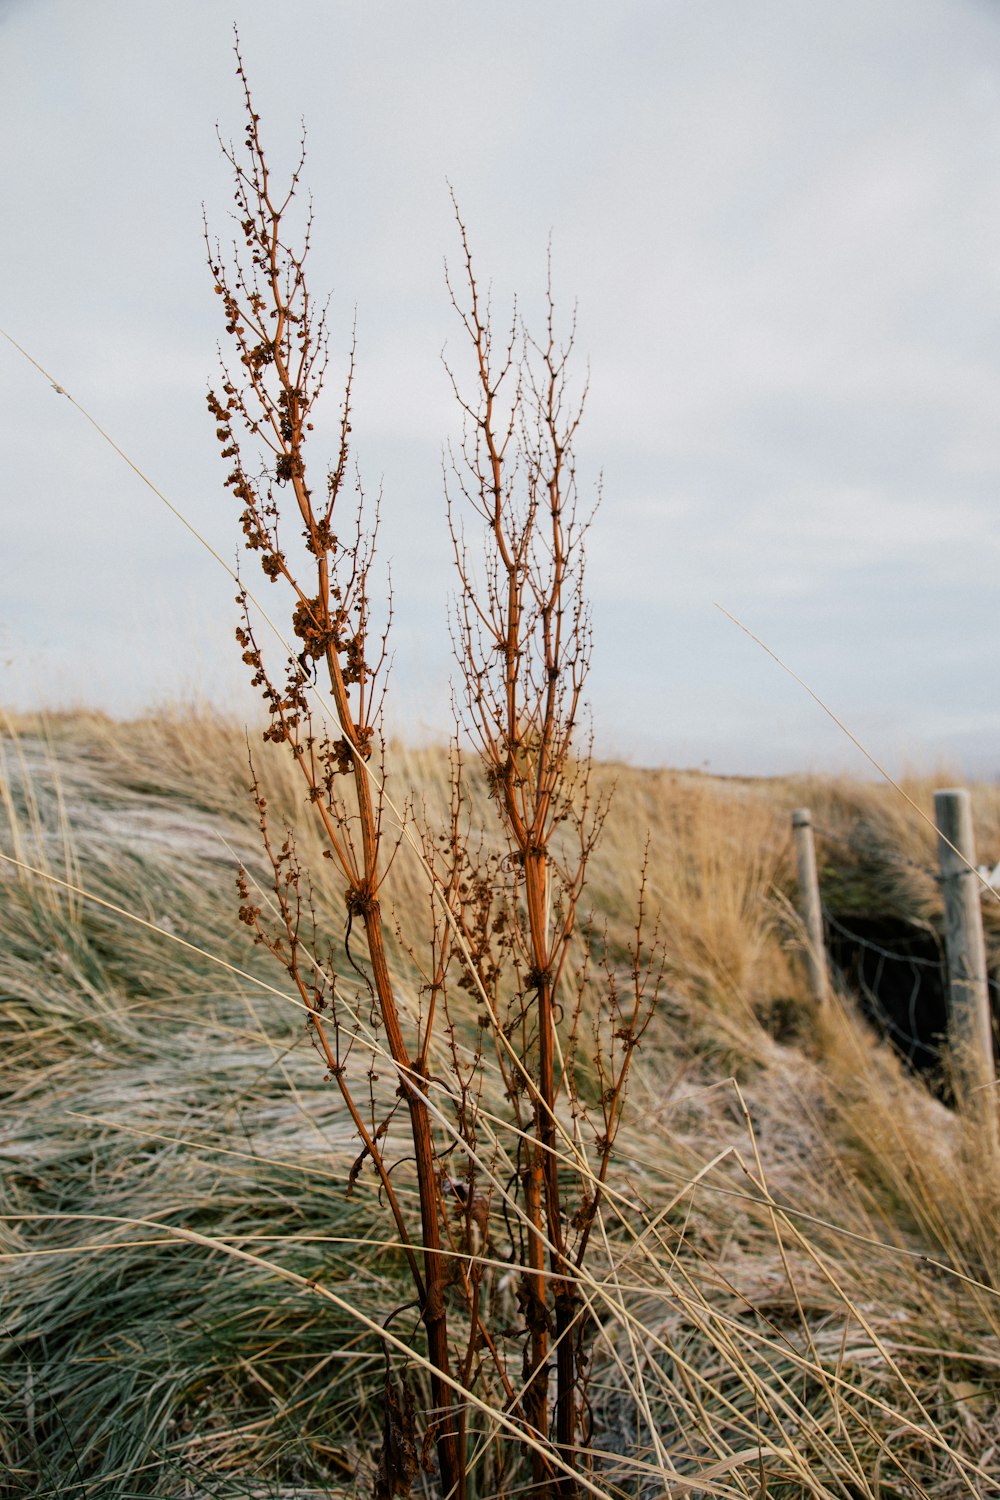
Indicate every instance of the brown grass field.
{"type": "Point", "coordinates": [797, 1294]}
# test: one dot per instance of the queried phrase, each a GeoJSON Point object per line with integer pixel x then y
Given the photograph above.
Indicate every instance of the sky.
{"type": "Point", "coordinates": [779, 223]}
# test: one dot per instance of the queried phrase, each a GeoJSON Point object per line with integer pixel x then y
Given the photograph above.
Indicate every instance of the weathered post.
{"type": "Point", "coordinates": [970, 1025]}
{"type": "Point", "coordinates": [810, 909]}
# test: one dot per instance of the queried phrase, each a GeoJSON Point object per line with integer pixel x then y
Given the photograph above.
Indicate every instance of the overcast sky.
{"type": "Point", "coordinates": [781, 224]}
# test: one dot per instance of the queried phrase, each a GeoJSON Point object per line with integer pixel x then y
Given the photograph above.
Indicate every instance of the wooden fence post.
{"type": "Point", "coordinates": [810, 909]}
{"type": "Point", "coordinates": [970, 1024]}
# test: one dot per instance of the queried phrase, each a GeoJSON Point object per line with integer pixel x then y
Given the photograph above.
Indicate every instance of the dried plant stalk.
{"type": "Point", "coordinates": [263, 415]}
{"type": "Point", "coordinates": [501, 921]}
{"type": "Point", "coordinates": [523, 645]}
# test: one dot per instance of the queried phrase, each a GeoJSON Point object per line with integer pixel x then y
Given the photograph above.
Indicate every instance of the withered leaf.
{"type": "Point", "coordinates": [399, 1459]}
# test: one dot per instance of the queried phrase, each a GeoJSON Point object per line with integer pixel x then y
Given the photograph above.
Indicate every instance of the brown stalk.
{"type": "Point", "coordinates": [523, 648]}
{"type": "Point", "coordinates": [505, 918]}
{"type": "Point", "coordinates": [282, 344]}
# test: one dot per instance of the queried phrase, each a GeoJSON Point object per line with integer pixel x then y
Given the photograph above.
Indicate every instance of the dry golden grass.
{"type": "Point", "coordinates": [799, 1298]}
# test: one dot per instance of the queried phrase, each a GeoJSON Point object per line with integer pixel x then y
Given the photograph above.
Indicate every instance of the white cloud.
{"type": "Point", "coordinates": [781, 223]}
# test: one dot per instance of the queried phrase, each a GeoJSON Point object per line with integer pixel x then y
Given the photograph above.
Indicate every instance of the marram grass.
{"type": "Point", "coordinates": [794, 1287]}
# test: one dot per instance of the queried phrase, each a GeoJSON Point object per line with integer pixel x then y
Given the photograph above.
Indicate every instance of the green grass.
{"type": "Point", "coordinates": [797, 1295]}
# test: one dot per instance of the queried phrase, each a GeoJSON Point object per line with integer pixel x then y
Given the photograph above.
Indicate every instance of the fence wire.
{"type": "Point", "coordinates": [903, 990]}
{"type": "Point", "coordinates": [926, 991]}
